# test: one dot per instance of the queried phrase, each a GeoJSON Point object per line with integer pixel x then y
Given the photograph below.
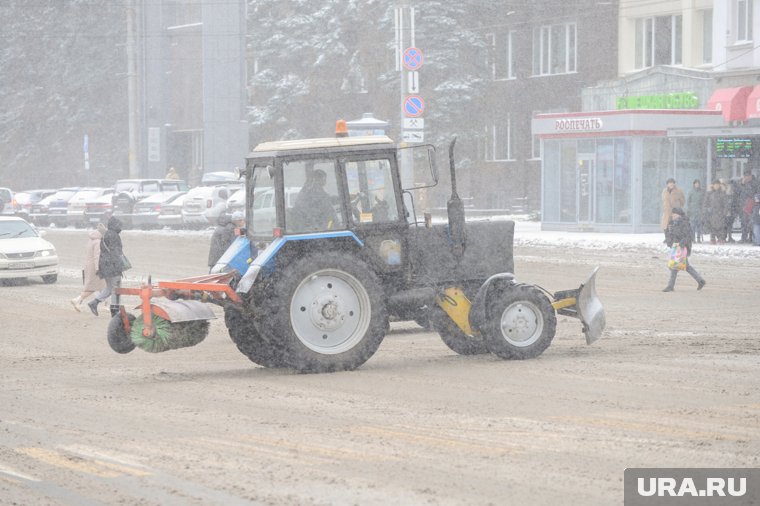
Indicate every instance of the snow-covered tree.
{"type": "Point", "coordinates": [63, 75]}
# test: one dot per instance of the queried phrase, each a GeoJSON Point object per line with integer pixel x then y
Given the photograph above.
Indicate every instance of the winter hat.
{"type": "Point", "coordinates": [238, 216]}
{"type": "Point", "coordinates": [678, 211]}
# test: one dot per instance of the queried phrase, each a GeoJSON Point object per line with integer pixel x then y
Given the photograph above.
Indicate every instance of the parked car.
{"type": "Point", "coordinates": [127, 192]}
{"type": "Point", "coordinates": [203, 205]}
{"type": "Point", "coordinates": [38, 213]}
{"type": "Point", "coordinates": [264, 207]}
{"type": "Point", "coordinates": [26, 199]}
{"type": "Point", "coordinates": [6, 202]}
{"type": "Point", "coordinates": [148, 210]}
{"type": "Point", "coordinates": [23, 253]}
{"type": "Point", "coordinates": [236, 202]}
{"type": "Point", "coordinates": [98, 210]}
{"type": "Point", "coordinates": [75, 214]}
{"type": "Point", "coordinates": [58, 207]}
{"type": "Point", "coordinates": [171, 213]}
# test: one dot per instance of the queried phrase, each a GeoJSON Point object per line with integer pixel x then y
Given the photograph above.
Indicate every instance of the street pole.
{"type": "Point", "coordinates": [134, 168]}
{"type": "Point", "coordinates": [404, 15]}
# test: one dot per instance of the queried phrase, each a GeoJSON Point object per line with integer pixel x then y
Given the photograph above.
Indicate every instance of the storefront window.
{"type": "Point", "coordinates": [623, 183]}
{"type": "Point", "coordinates": [691, 162]}
{"type": "Point", "coordinates": [656, 168]}
{"type": "Point", "coordinates": [551, 181]}
{"type": "Point", "coordinates": [605, 178]}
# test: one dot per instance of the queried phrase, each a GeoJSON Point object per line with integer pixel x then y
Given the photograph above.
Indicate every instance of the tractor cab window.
{"type": "Point", "coordinates": [371, 190]}
{"type": "Point", "coordinates": [261, 202]}
{"type": "Point", "coordinates": [312, 197]}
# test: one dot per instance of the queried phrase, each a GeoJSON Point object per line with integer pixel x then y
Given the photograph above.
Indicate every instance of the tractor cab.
{"type": "Point", "coordinates": [322, 185]}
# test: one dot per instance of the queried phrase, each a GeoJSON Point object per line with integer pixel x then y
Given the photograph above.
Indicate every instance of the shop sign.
{"type": "Point", "coordinates": [687, 100]}
{"type": "Point", "coordinates": [578, 125]}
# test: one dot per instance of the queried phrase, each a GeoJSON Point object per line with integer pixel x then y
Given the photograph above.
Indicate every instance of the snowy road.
{"type": "Point", "coordinates": [673, 383]}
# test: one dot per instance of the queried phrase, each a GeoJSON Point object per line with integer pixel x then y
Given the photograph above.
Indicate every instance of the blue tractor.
{"type": "Point", "coordinates": [333, 250]}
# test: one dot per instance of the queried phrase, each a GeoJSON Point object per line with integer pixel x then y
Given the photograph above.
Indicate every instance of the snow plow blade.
{"type": "Point", "coordinates": [590, 309]}
{"type": "Point", "coordinates": [583, 303]}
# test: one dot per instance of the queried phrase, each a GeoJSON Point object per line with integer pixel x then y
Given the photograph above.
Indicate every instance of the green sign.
{"type": "Point", "coordinates": [687, 100]}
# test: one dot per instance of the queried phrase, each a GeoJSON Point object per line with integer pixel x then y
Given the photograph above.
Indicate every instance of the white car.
{"type": "Point", "coordinates": [203, 205]}
{"type": "Point", "coordinates": [264, 211]}
{"type": "Point", "coordinates": [6, 202]}
{"type": "Point", "coordinates": [23, 253]}
{"type": "Point", "coordinates": [171, 213]}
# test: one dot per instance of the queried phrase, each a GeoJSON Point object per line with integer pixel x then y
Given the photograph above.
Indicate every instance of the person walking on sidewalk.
{"type": "Point", "coordinates": [672, 196]}
{"type": "Point", "coordinates": [92, 283]}
{"type": "Point", "coordinates": [110, 266]}
{"type": "Point", "coordinates": [679, 233]}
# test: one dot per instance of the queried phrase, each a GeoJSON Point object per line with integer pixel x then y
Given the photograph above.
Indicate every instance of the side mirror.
{"type": "Point", "coordinates": [424, 167]}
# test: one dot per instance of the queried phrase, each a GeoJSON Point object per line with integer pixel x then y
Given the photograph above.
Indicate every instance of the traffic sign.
{"type": "Point", "coordinates": [414, 123]}
{"type": "Point", "coordinates": [414, 106]}
{"type": "Point", "coordinates": [412, 59]}
{"type": "Point", "coordinates": [412, 136]}
{"type": "Point", "coordinates": [413, 81]}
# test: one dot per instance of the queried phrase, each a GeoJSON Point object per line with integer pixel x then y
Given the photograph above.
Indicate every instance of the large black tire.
{"type": "Point", "coordinates": [453, 337]}
{"type": "Point", "coordinates": [118, 338]}
{"type": "Point", "coordinates": [328, 311]}
{"type": "Point", "coordinates": [249, 341]}
{"type": "Point", "coordinates": [520, 322]}
{"type": "Point", "coordinates": [50, 279]}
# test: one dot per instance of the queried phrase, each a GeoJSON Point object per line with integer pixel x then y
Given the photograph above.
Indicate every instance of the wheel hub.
{"type": "Point", "coordinates": [330, 311]}
{"type": "Point", "coordinates": [521, 324]}
{"type": "Point", "coordinates": [326, 313]}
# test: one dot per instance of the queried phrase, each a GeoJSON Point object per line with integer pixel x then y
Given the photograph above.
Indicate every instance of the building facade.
{"type": "Point", "coordinates": [542, 55]}
{"type": "Point", "coordinates": [192, 106]}
{"type": "Point", "coordinates": [685, 105]}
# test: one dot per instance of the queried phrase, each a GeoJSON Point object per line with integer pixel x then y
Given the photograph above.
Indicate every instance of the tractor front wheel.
{"type": "Point", "coordinates": [330, 314]}
{"type": "Point", "coordinates": [521, 322]}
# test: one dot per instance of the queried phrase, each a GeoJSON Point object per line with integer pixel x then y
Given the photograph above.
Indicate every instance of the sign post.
{"type": "Point", "coordinates": [86, 151]}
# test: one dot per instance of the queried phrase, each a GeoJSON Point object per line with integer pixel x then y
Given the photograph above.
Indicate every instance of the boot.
{"type": "Point", "coordinates": [77, 303]}
{"type": "Point", "coordinates": [93, 305]}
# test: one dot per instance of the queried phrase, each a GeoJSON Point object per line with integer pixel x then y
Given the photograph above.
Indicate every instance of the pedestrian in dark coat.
{"type": "Point", "coordinates": [672, 196]}
{"type": "Point", "coordinates": [223, 236]}
{"type": "Point", "coordinates": [694, 203]}
{"type": "Point", "coordinates": [748, 187]}
{"type": "Point", "coordinates": [714, 213]}
{"type": "Point", "coordinates": [756, 219]}
{"type": "Point", "coordinates": [733, 208]}
{"type": "Point", "coordinates": [110, 266]}
{"type": "Point", "coordinates": [679, 233]}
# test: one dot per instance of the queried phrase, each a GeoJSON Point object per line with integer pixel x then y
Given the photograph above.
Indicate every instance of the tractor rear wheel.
{"type": "Point", "coordinates": [521, 322]}
{"type": "Point", "coordinates": [331, 313]}
{"type": "Point", "coordinates": [249, 341]}
{"type": "Point", "coordinates": [453, 337]}
{"type": "Point", "coordinates": [118, 337]}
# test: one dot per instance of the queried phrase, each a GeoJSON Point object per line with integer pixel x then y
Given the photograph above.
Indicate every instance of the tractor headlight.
{"type": "Point", "coordinates": [44, 253]}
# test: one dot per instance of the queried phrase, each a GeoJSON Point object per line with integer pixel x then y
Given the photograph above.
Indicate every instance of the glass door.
{"type": "Point", "coordinates": [585, 188]}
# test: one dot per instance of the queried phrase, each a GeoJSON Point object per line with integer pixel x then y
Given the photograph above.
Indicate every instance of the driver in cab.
{"type": "Point", "coordinates": [313, 205]}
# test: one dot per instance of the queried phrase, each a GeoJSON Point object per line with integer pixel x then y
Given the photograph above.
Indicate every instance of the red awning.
{"type": "Point", "coordinates": [732, 102]}
{"type": "Point", "coordinates": [753, 103]}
